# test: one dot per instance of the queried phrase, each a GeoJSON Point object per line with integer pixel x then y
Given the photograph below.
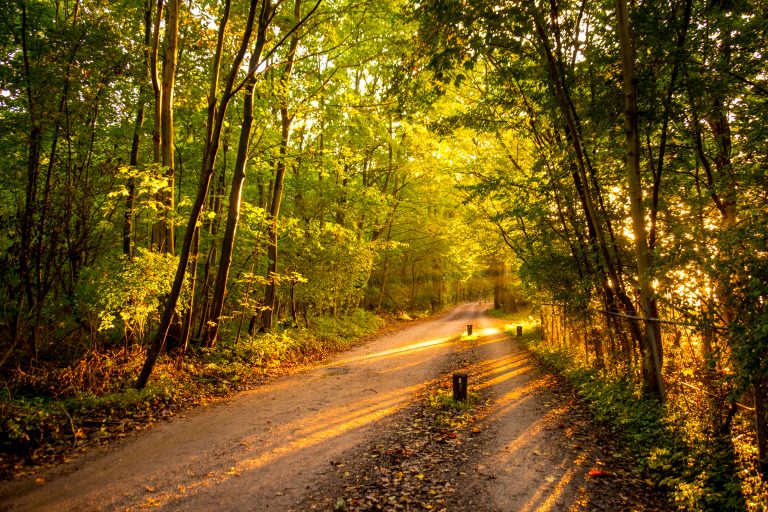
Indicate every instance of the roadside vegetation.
{"type": "Point", "coordinates": [183, 183]}
{"type": "Point", "coordinates": [673, 445]}
{"type": "Point", "coordinates": [51, 413]}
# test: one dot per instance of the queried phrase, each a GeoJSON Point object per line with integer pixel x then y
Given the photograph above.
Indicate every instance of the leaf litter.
{"type": "Point", "coordinates": [413, 466]}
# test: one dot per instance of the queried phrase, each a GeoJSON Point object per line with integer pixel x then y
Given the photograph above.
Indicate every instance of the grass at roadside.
{"type": "Point", "coordinates": [52, 413]}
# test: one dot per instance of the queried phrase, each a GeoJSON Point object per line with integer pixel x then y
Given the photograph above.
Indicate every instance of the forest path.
{"type": "Point", "coordinates": [263, 448]}
{"type": "Point", "coordinates": [356, 434]}
{"type": "Point", "coordinates": [530, 446]}
{"type": "Point", "coordinates": [539, 448]}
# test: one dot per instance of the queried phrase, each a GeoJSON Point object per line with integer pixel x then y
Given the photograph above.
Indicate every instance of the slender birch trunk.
{"type": "Point", "coordinates": [652, 355]}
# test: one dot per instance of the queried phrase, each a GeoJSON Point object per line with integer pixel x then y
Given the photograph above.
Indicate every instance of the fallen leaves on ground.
{"type": "Point", "coordinates": [62, 430]}
{"type": "Point", "coordinates": [415, 465]}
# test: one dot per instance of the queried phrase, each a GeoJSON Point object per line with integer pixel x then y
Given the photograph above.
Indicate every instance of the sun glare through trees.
{"type": "Point", "coordinates": [247, 185]}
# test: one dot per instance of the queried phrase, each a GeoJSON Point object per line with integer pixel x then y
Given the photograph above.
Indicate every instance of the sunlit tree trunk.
{"type": "Point", "coordinates": [238, 181]}
{"type": "Point", "coordinates": [270, 292]}
{"type": "Point", "coordinates": [611, 278]}
{"type": "Point", "coordinates": [215, 123]}
{"type": "Point", "coordinates": [163, 230]}
{"type": "Point", "coordinates": [157, 118]}
{"type": "Point", "coordinates": [652, 354]}
{"type": "Point", "coordinates": [194, 257]}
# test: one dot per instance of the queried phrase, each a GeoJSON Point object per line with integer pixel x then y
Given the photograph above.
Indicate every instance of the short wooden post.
{"type": "Point", "coordinates": [519, 330]}
{"type": "Point", "coordinates": [459, 387]}
{"type": "Point", "coordinates": [469, 329]}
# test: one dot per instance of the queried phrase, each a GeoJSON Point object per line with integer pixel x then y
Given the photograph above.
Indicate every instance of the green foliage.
{"type": "Point", "coordinates": [335, 264]}
{"type": "Point", "coordinates": [449, 413]}
{"type": "Point", "coordinates": [286, 347]}
{"type": "Point", "coordinates": [27, 424]}
{"type": "Point", "coordinates": [127, 291]}
{"type": "Point", "coordinates": [340, 331]}
{"type": "Point", "coordinates": [498, 313]}
{"type": "Point", "coordinates": [442, 399]}
{"type": "Point", "coordinates": [696, 475]}
{"type": "Point", "coordinates": [743, 261]}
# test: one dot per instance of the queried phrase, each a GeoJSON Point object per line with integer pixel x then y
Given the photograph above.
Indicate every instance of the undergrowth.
{"type": "Point", "coordinates": [697, 469]}
{"type": "Point", "coordinates": [49, 412]}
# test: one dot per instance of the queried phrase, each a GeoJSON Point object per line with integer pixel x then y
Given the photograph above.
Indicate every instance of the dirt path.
{"type": "Point", "coordinates": [272, 447]}
{"type": "Point", "coordinates": [529, 446]}
{"type": "Point", "coordinates": [540, 449]}
{"type": "Point", "coordinates": [260, 450]}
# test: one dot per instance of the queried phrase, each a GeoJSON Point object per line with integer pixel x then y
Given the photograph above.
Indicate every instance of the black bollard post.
{"type": "Point", "coordinates": [469, 329]}
{"type": "Point", "coordinates": [459, 387]}
{"type": "Point", "coordinates": [519, 330]}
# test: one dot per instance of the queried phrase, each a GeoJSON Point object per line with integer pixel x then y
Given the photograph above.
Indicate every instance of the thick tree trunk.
{"type": "Point", "coordinates": [215, 205]}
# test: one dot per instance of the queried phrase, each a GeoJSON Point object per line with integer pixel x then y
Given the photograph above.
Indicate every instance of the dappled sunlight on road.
{"type": "Point", "coordinates": [414, 347]}
{"type": "Point", "coordinates": [292, 438]}
{"type": "Point", "coordinates": [488, 331]}
{"type": "Point", "coordinates": [534, 468]}
{"type": "Point", "coordinates": [546, 497]}
{"type": "Point", "coordinates": [350, 396]}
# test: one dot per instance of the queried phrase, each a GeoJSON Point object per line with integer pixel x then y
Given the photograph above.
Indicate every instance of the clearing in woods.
{"type": "Point", "coordinates": [359, 433]}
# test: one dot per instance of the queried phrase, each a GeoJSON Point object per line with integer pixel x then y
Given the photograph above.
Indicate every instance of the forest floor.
{"type": "Point", "coordinates": [371, 429]}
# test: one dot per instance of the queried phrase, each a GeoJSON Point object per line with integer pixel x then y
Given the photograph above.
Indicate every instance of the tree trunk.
{"type": "Point", "coordinates": [384, 277]}
{"type": "Point", "coordinates": [238, 181]}
{"type": "Point", "coordinates": [595, 229]}
{"type": "Point", "coordinates": [214, 128]}
{"type": "Point", "coordinates": [157, 126]}
{"type": "Point", "coordinates": [26, 300]}
{"type": "Point", "coordinates": [497, 284]}
{"type": "Point", "coordinates": [761, 425]}
{"type": "Point", "coordinates": [187, 320]}
{"type": "Point", "coordinates": [652, 354]}
{"type": "Point", "coordinates": [270, 292]}
{"type": "Point", "coordinates": [215, 207]}
{"type": "Point", "coordinates": [163, 240]}
{"type": "Point", "coordinates": [137, 128]}
{"type": "Point", "coordinates": [293, 304]}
